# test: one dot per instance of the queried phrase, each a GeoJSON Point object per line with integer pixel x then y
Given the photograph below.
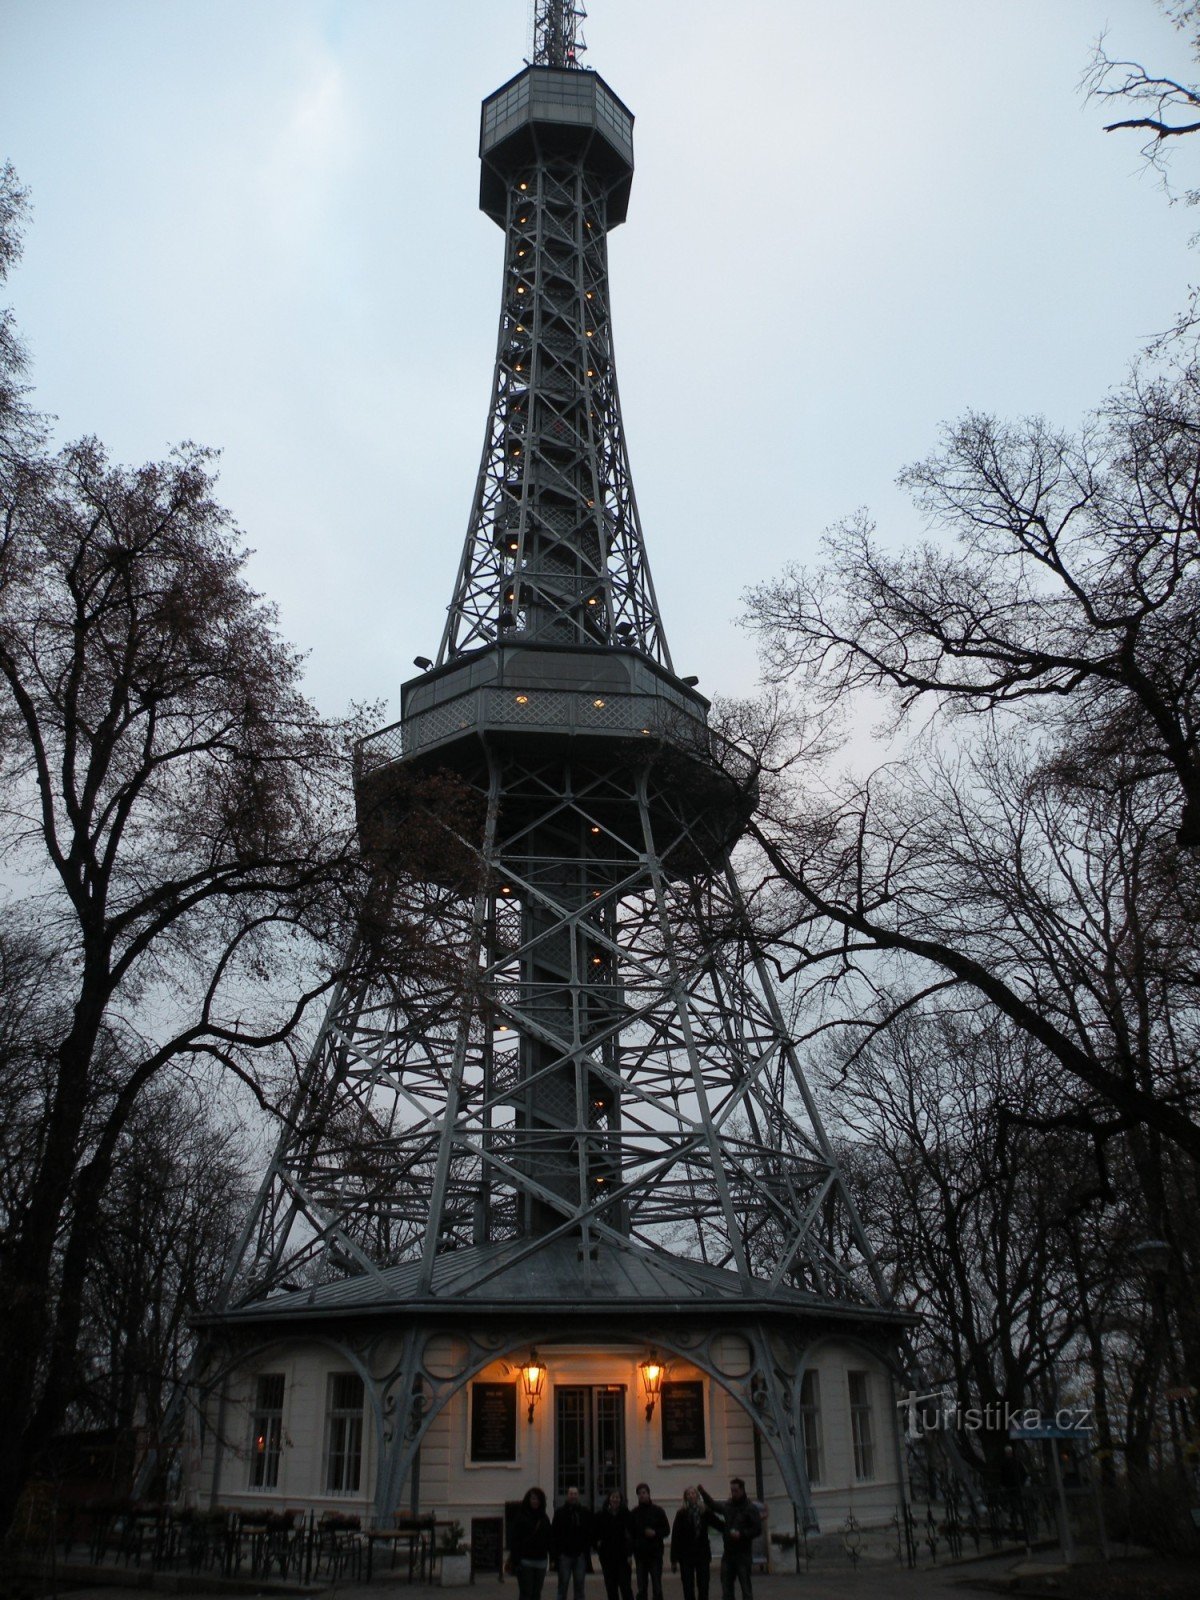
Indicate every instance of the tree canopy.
{"type": "Point", "coordinates": [179, 849]}
{"type": "Point", "coordinates": [1027, 856]}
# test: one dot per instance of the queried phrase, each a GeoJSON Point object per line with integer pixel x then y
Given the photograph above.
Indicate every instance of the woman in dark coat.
{"type": "Point", "coordinates": [613, 1539]}
{"type": "Point", "coordinates": [690, 1550]}
{"type": "Point", "coordinates": [529, 1544]}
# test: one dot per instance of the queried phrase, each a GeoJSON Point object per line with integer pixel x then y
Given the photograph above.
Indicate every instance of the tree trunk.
{"type": "Point", "coordinates": [41, 1289]}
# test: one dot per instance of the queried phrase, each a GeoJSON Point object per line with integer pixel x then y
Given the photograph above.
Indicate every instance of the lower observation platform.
{"type": "Point", "coordinates": [547, 692]}
{"type": "Point", "coordinates": [598, 708]}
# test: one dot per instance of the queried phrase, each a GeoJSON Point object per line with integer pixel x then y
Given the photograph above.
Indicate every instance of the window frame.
{"type": "Point", "coordinates": [811, 1437]}
{"type": "Point", "coordinates": [862, 1429]}
{"type": "Point", "coordinates": [343, 1463]}
{"type": "Point", "coordinates": [266, 1431]}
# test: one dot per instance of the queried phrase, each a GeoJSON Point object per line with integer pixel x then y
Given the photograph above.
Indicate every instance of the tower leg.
{"type": "Point", "coordinates": [406, 1422]}
{"type": "Point", "coordinates": [775, 1399]}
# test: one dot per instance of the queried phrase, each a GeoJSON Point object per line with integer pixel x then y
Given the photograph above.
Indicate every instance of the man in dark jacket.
{"type": "Point", "coordinates": [570, 1541]}
{"type": "Point", "coordinates": [650, 1530]}
{"type": "Point", "coordinates": [740, 1525]}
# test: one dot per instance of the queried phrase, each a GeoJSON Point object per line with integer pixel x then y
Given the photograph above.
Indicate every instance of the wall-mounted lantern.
{"type": "Point", "coordinates": [652, 1377]}
{"type": "Point", "coordinates": [533, 1378]}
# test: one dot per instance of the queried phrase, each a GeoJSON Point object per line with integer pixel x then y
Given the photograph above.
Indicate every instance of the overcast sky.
{"type": "Point", "coordinates": [256, 226]}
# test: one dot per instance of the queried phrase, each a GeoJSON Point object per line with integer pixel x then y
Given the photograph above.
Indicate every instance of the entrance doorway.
{"type": "Point", "coordinates": [589, 1440]}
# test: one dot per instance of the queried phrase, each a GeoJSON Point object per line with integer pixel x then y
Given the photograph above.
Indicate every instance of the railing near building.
{"type": "Point", "coordinates": [664, 715]}
{"type": "Point", "coordinates": [297, 1546]}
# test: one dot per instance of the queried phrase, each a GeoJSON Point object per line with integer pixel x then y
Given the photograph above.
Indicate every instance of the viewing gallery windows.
{"type": "Point", "coordinates": [810, 1427]}
{"type": "Point", "coordinates": [861, 1429]}
{"type": "Point", "coordinates": [266, 1432]}
{"type": "Point", "coordinates": [343, 1459]}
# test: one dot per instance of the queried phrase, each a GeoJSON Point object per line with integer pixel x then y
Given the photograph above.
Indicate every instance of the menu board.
{"type": "Point", "coordinates": [493, 1422]}
{"type": "Point", "coordinates": [487, 1545]}
{"type": "Point", "coordinates": [682, 1406]}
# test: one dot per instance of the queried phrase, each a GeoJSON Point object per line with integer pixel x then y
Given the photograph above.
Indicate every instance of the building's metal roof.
{"type": "Point", "coordinates": [522, 1276]}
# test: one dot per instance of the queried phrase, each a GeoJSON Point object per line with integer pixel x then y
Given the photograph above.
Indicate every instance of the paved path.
{"type": "Point", "coordinates": [870, 1579]}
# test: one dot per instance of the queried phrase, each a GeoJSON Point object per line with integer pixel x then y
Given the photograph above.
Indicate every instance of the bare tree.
{"type": "Point", "coordinates": [975, 1209]}
{"type": "Point", "coordinates": [1164, 108]}
{"type": "Point", "coordinates": [1066, 610]}
{"type": "Point", "coordinates": [1071, 580]}
{"type": "Point", "coordinates": [979, 873]}
{"type": "Point", "coordinates": [175, 1200]}
{"type": "Point", "coordinates": [179, 844]}
{"type": "Point", "coordinates": [1015, 1242]}
{"type": "Point", "coordinates": [1043, 885]}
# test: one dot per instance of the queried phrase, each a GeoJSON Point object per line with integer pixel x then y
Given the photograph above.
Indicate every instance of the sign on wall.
{"type": "Point", "coordinates": [487, 1545]}
{"type": "Point", "coordinates": [493, 1422]}
{"type": "Point", "coordinates": [682, 1407]}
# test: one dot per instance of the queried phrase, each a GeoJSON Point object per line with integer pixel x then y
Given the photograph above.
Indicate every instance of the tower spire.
{"type": "Point", "coordinates": [557, 41]}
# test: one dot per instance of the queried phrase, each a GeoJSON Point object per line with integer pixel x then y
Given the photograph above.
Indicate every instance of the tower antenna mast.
{"type": "Point", "coordinates": [557, 40]}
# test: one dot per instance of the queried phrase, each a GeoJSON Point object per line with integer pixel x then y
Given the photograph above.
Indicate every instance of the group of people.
{"type": "Point", "coordinates": [641, 1534]}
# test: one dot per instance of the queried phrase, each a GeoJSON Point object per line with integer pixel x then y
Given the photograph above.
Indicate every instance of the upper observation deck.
{"type": "Point", "coordinates": [549, 112]}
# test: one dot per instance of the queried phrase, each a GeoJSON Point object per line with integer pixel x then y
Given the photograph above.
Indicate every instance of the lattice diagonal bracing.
{"type": "Point", "coordinates": [554, 551]}
{"type": "Point", "coordinates": [611, 1068]}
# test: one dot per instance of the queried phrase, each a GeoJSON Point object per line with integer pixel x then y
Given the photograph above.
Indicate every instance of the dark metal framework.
{"type": "Point", "coordinates": [557, 41]}
{"type": "Point", "coordinates": [611, 1068]}
{"type": "Point", "coordinates": [600, 1108]}
{"type": "Point", "coordinates": [554, 548]}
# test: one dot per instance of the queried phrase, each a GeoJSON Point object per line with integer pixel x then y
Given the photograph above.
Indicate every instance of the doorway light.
{"type": "Point", "coordinates": [533, 1378]}
{"type": "Point", "coordinates": [652, 1377]}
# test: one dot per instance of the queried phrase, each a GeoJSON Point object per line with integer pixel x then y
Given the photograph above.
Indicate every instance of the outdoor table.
{"type": "Point", "coordinates": [339, 1545]}
{"type": "Point", "coordinates": [416, 1532]}
{"type": "Point", "coordinates": [248, 1543]}
{"type": "Point", "coordinates": [140, 1536]}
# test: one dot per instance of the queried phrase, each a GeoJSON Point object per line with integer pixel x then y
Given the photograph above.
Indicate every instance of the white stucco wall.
{"type": "Point", "coordinates": [450, 1484]}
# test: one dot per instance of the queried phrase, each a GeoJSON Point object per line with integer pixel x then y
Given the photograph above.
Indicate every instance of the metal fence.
{"type": "Point", "coordinates": [300, 1546]}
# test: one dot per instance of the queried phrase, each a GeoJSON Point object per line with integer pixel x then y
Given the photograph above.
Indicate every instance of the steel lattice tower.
{"type": "Point", "coordinates": [603, 1112]}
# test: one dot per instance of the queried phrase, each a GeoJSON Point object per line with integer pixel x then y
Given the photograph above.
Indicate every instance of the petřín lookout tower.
{"type": "Point", "coordinates": [569, 1216]}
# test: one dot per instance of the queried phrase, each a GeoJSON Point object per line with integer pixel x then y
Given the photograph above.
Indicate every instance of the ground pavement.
{"type": "Point", "coordinates": [1135, 1577]}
